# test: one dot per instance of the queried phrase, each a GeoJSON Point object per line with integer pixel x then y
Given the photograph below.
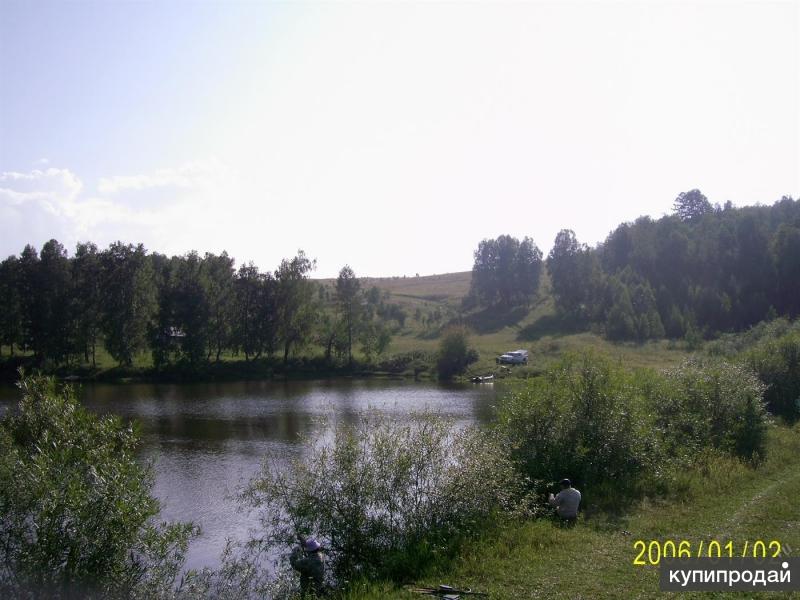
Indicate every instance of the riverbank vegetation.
{"type": "Point", "coordinates": [77, 518]}
{"type": "Point", "coordinates": [400, 502]}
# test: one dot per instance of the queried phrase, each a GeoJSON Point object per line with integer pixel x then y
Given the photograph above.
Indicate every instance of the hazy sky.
{"type": "Point", "coordinates": [390, 136]}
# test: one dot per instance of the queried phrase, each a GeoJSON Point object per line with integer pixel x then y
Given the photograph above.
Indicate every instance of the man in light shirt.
{"type": "Point", "coordinates": [566, 502]}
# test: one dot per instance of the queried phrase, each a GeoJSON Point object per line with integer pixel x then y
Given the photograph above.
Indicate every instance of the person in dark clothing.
{"type": "Point", "coordinates": [308, 561]}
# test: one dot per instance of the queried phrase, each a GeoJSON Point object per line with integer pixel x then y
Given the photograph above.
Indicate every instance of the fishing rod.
{"type": "Point", "coordinates": [446, 591]}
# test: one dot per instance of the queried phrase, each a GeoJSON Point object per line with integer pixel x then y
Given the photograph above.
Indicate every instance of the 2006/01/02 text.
{"type": "Point", "coordinates": [651, 552]}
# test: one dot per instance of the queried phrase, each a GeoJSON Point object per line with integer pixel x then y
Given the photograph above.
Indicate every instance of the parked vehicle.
{"type": "Point", "coordinates": [515, 357]}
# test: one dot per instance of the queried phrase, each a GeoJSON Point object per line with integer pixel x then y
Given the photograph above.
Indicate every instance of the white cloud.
{"type": "Point", "coordinates": [191, 175]}
{"type": "Point", "coordinates": [35, 206]}
{"type": "Point", "coordinates": [51, 185]}
{"type": "Point", "coordinates": [172, 210]}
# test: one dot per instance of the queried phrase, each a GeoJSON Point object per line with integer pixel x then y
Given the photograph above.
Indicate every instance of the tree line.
{"type": "Point", "coordinates": [702, 270]}
{"type": "Point", "coordinates": [187, 309]}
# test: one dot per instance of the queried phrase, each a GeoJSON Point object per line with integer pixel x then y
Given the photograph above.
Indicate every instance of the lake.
{"type": "Point", "coordinates": [207, 440]}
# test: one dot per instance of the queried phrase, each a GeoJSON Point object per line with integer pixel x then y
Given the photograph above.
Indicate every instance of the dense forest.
{"type": "Point", "coordinates": [702, 270]}
{"type": "Point", "coordinates": [184, 309]}
{"type": "Point", "coordinates": [698, 272]}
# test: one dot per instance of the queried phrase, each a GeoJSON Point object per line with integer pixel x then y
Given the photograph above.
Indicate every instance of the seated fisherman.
{"type": "Point", "coordinates": [566, 502]}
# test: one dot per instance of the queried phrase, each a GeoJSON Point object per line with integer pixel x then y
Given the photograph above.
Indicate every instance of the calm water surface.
{"type": "Point", "coordinates": [207, 440]}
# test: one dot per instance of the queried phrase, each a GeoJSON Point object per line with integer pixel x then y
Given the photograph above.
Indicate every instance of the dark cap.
{"type": "Point", "coordinates": [565, 482]}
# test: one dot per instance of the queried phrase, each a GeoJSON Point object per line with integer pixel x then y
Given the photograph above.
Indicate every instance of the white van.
{"type": "Point", "coordinates": [515, 357]}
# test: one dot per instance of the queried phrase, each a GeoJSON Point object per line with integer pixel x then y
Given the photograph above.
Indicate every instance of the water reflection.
{"type": "Point", "coordinates": [206, 440]}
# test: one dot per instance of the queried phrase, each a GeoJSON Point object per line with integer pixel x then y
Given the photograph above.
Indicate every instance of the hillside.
{"type": "Point", "coordinates": [536, 328]}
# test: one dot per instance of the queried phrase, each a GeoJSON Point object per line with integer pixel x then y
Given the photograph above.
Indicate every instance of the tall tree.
{"type": "Point", "coordinates": [527, 271]}
{"type": "Point", "coordinates": [129, 300]}
{"type": "Point", "coordinates": [220, 273]}
{"type": "Point", "coordinates": [294, 302]}
{"type": "Point", "coordinates": [11, 315]}
{"type": "Point", "coordinates": [246, 309]}
{"type": "Point", "coordinates": [691, 205]}
{"type": "Point", "coordinates": [86, 274]}
{"type": "Point", "coordinates": [786, 252]}
{"type": "Point", "coordinates": [506, 271]}
{"type": "Point", "coordinates": [575, 276]}
{"type": "Point", "coordinates": [32, 302]}
{"type": "Point", "coordinates": [192, 310]}
{"type": "Point", "coordinates": [56, 285]}
{"type": "Point", "coordinates": [348, 298]}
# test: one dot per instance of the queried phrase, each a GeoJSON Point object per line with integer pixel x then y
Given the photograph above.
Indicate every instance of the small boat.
{"type": "Point", "coordinates": [483, 379]}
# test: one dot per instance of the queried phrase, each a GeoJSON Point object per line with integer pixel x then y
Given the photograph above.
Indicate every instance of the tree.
{"type": "Point", "coordinates": [294, 301]}
{"type": "Point", "coordinates": [87, 273]}
{"type": "Point", "coordinates": [647, 320]}
{"type": "Point", "coordinates": [786, 250]}
{"type": "Point", "coordinates": [220, 274]}
{"type": "Point", "coordinates": [32, 302]}
{"type": "Point", "coordinates": [506, 271]}
{"type": "Point", "coordinates": [192, 314]}
{"type": "Point", "coordinates": [11, 315]}
{"type": "Point", "coordinates": [691, 205]}
{"type": "Point", "coordinates": [77, 511]}
{"type": "Point", "coordinates": [454, 352]}
{"type": "Point", "coordinates": [267, 316]}
{"type": "Point", "coordinates": [246, 309]}
{"type": "Point", "coordinates": [348, 298]}
{"type": "Point", "coordinates": [375, 338]}
{"type": "Point", "coordinates": [55, 281]}
{"type": "Point", "coordinates": [620, 317]}
{"type": "Point", "coordinates": [527, 271]}
{"type": "Point", "coordinates": [575, 276]}
{"type": "Point", "coordinates": [129, 300]}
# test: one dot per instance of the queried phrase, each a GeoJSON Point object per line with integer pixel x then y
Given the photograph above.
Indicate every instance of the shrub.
{"type": "Point", "coordinates": [386, 499]}
{"type": "Point", "coordinates": [414, 360]}
{"type": "Point", "coordinates": [731, 345]}
{"type": "Point", "coordinates": [455, 355]}
{"type": "Point", "coordinates": [75, 505]}
{"type": "Point", "coordinates": [584, 420]}
{"type": "Point", "coordinates": [711, 403]}
{"type": "Point", "coordinates": [777, 363]}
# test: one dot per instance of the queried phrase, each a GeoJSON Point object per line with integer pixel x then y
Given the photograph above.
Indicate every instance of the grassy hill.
{"type": "Point", "coordinates": [536, 328]}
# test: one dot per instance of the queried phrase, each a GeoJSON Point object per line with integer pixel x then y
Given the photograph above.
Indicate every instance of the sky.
{"type": "Point", "coordinates": [390, 136]}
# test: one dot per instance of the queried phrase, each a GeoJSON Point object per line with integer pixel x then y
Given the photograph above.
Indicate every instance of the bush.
{"type": "Point", "coordinates": [75, 505]}
{"type": "Point", "coordinates": [732, 345]}
{"type": "Point", "coordinates": [455, 355]}
{"type": "Point", "coordinates": [584, 420]}
{"type": "Point", "coordinates": [387, 499]}
{"type": "Point", "coordinates": [414, 360]}
{"type": "Point", "coordinates": [777, 363]}
{"type": "Point", "coordinates": [711, 403]}
{"type": "Point", "coordinates": [620, 435]}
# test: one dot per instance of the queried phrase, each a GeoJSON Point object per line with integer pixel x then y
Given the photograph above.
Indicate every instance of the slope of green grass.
{"type": "Point", "coordinates": [536, 328]}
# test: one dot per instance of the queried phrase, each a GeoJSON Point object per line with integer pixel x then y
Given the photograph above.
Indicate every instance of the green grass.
{"type": "Point", "coordinates": [537, 328]}
{"type": "Point", "coordinates": [720, 500]}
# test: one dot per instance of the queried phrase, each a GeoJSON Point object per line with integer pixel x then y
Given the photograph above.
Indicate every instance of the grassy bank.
{"type": "Point", "coordinates": [721, 499]}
